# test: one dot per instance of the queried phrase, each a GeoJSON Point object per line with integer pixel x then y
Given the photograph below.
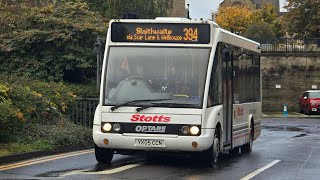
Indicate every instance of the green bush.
{"type": "Point", "coordinates": [42, 101]}
{"type": "Point", "coordinates": [24, 101]}
{"type": "Point", "coordinates": [62, 135]}
{"type": "Point", "coordinates": [11, 120]}
{"type": "Point", "coordinates": [10, 116]}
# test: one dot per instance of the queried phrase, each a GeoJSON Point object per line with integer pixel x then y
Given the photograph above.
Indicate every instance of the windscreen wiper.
{"type": "Point", "coordinates": [164, 105]}
{"type": "Point", "coordinates": [134, 101]}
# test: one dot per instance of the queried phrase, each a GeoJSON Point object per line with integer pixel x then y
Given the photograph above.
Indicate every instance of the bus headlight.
{"type": "Point", "coordinates": [106, 127]}
{"type": "Point", "coordinates": [185, 130]}
{"type": "Point", "coordinates": [194, 130]}
{"type": "Point", "coordinates": [116, 127]}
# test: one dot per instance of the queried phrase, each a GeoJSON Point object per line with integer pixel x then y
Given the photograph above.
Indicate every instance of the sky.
{"type": "Point", "coordinates": [203, 8]}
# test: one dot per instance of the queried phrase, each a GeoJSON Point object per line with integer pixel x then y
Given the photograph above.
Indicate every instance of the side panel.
{"type": "Point", "coordinates": [247, 95]}
{"type": "Point", "coordinates": [241, 123]}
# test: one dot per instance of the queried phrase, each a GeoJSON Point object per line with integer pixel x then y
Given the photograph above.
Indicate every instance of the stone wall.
{"type": "Point", "coordinates": [285, 77]}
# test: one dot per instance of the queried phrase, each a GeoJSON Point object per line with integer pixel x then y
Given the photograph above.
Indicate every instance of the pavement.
{"type": "Point", "coordinates": [288, 115]}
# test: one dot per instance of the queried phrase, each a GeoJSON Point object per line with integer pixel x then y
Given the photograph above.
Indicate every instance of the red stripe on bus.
{"type": "Point", "coordinates": [240, 136]}
{"type": "Point", "coordinates": [244, 134]}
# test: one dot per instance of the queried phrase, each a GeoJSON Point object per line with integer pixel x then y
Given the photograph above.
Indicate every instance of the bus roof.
{"type": "Point", "coordinates": [166, 20]}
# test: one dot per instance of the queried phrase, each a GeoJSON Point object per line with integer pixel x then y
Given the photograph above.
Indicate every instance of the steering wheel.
{"type": "Point", "coordinates": [140, 78]}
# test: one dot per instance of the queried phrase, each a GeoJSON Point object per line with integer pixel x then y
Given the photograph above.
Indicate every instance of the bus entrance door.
{"type": "Point", "coordinates": [227, 97]}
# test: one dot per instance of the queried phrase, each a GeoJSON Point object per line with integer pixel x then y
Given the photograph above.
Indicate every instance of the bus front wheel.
{"type": "Point", "coordinates": [211, 156]}
{"type": "Point", "coordinates": [215, 151]}
{"type": "Point", "coordinates": [103, 155]}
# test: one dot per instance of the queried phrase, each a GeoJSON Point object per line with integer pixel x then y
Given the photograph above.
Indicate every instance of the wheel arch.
{"type": "Point", "coordinates": [250, 126]}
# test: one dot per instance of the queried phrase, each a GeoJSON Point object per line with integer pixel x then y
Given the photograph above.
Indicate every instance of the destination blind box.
{"type": "Point", "coordinates": [160, 33]}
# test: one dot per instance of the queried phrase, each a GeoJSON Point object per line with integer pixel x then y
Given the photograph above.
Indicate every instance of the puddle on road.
{"type": "Point", "coordinates": [283, 128]}
{"type": "Point", "coordinates": [288, 129]}
{"type": "Point", "coordinates": [293, 129]}
{"type": "Point", "coordinates": [300, 135]}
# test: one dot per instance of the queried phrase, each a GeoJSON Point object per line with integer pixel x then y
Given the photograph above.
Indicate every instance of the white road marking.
{"type": "Point", "coordinates": [115, 170]}
{"type": "Point", "coordinates": [110, 171]}
{"type": "Point", "coordinates": [264, 115]}
{"type": "Point", "coordinates": [251, 175]}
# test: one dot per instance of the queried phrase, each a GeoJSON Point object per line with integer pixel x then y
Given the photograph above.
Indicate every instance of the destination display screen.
{"type": "Point", "coordinates": [160, 33]}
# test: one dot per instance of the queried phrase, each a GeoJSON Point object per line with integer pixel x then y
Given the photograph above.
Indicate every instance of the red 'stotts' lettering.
{"type": "Point", "coordinates": [145, 118]}
{"type": "Point", "coordinates": [240, 111]}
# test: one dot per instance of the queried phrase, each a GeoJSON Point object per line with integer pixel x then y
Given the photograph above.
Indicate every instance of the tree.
{"type": "Point", "coordinates": [278, 28]}
{"type": "Point", "coordinates": [53, 41]}
{"type": "Point", "coordinates": [234, 18]}
{"type": "Point", "coordinates": [114, 9]}
{"type": "Point", "coordinates": [260, 31]}
{"type": "Point", "coordinates": [267, 13]}
{"type": "Point", "coordinates": [268, 19]}
{"type": "Point", "coordinates": [303, 18]}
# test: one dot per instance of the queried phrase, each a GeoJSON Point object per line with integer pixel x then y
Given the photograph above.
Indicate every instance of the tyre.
{"type": "Point", "coordinates": [211, 156]}
{"type": "Point", "coordinates": [234, 151]}
{"type": "Point", "coordinates": [215, 151]}
{"type": "Point", "coordinates": [103, 155]}
{"type": "Point", "coordinates": [247, 148]}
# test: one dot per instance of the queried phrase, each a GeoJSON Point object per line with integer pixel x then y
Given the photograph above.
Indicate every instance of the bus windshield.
{"type": "Point", "coordinates": [174, 74]}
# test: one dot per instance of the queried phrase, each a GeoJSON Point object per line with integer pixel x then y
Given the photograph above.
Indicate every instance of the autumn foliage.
{"type": "Point", "coordinates": [234, 18]}
{"type": "Point", "coordinates": [264, 23]}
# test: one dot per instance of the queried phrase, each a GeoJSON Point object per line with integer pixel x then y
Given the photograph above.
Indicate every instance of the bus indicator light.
{"type": "Point", "coordinates": [194, 144]}
{"type": "Point", "coordinates": [106, 141]}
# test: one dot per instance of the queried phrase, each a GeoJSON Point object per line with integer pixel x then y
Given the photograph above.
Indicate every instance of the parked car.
{"type": "Point", "coordinates": [309, 102]}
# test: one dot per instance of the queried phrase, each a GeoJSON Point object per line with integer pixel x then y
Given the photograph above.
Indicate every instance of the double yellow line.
{"type": "Point", "coordinates": [43, 159]}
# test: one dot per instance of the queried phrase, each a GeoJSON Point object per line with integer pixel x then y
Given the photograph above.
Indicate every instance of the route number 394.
{"type": "Point", "coordinates": [190, 34]}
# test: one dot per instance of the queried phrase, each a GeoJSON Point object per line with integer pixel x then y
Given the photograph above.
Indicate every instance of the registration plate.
{"type": "Point", "coordinates": [149, 143]}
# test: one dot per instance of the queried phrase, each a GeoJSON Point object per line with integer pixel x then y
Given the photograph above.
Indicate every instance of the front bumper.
{"type": "Point", "coordinates": [172, 142]}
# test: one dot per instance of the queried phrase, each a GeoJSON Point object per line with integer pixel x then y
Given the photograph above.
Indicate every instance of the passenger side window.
{"type": "Point", "coordinates": [215, 87]}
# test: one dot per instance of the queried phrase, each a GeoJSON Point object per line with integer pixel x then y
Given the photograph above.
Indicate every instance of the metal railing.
{"type": "Point", "coordinates": [289, 45]}
{"type": "Point", "coordinates": [82, 112]}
